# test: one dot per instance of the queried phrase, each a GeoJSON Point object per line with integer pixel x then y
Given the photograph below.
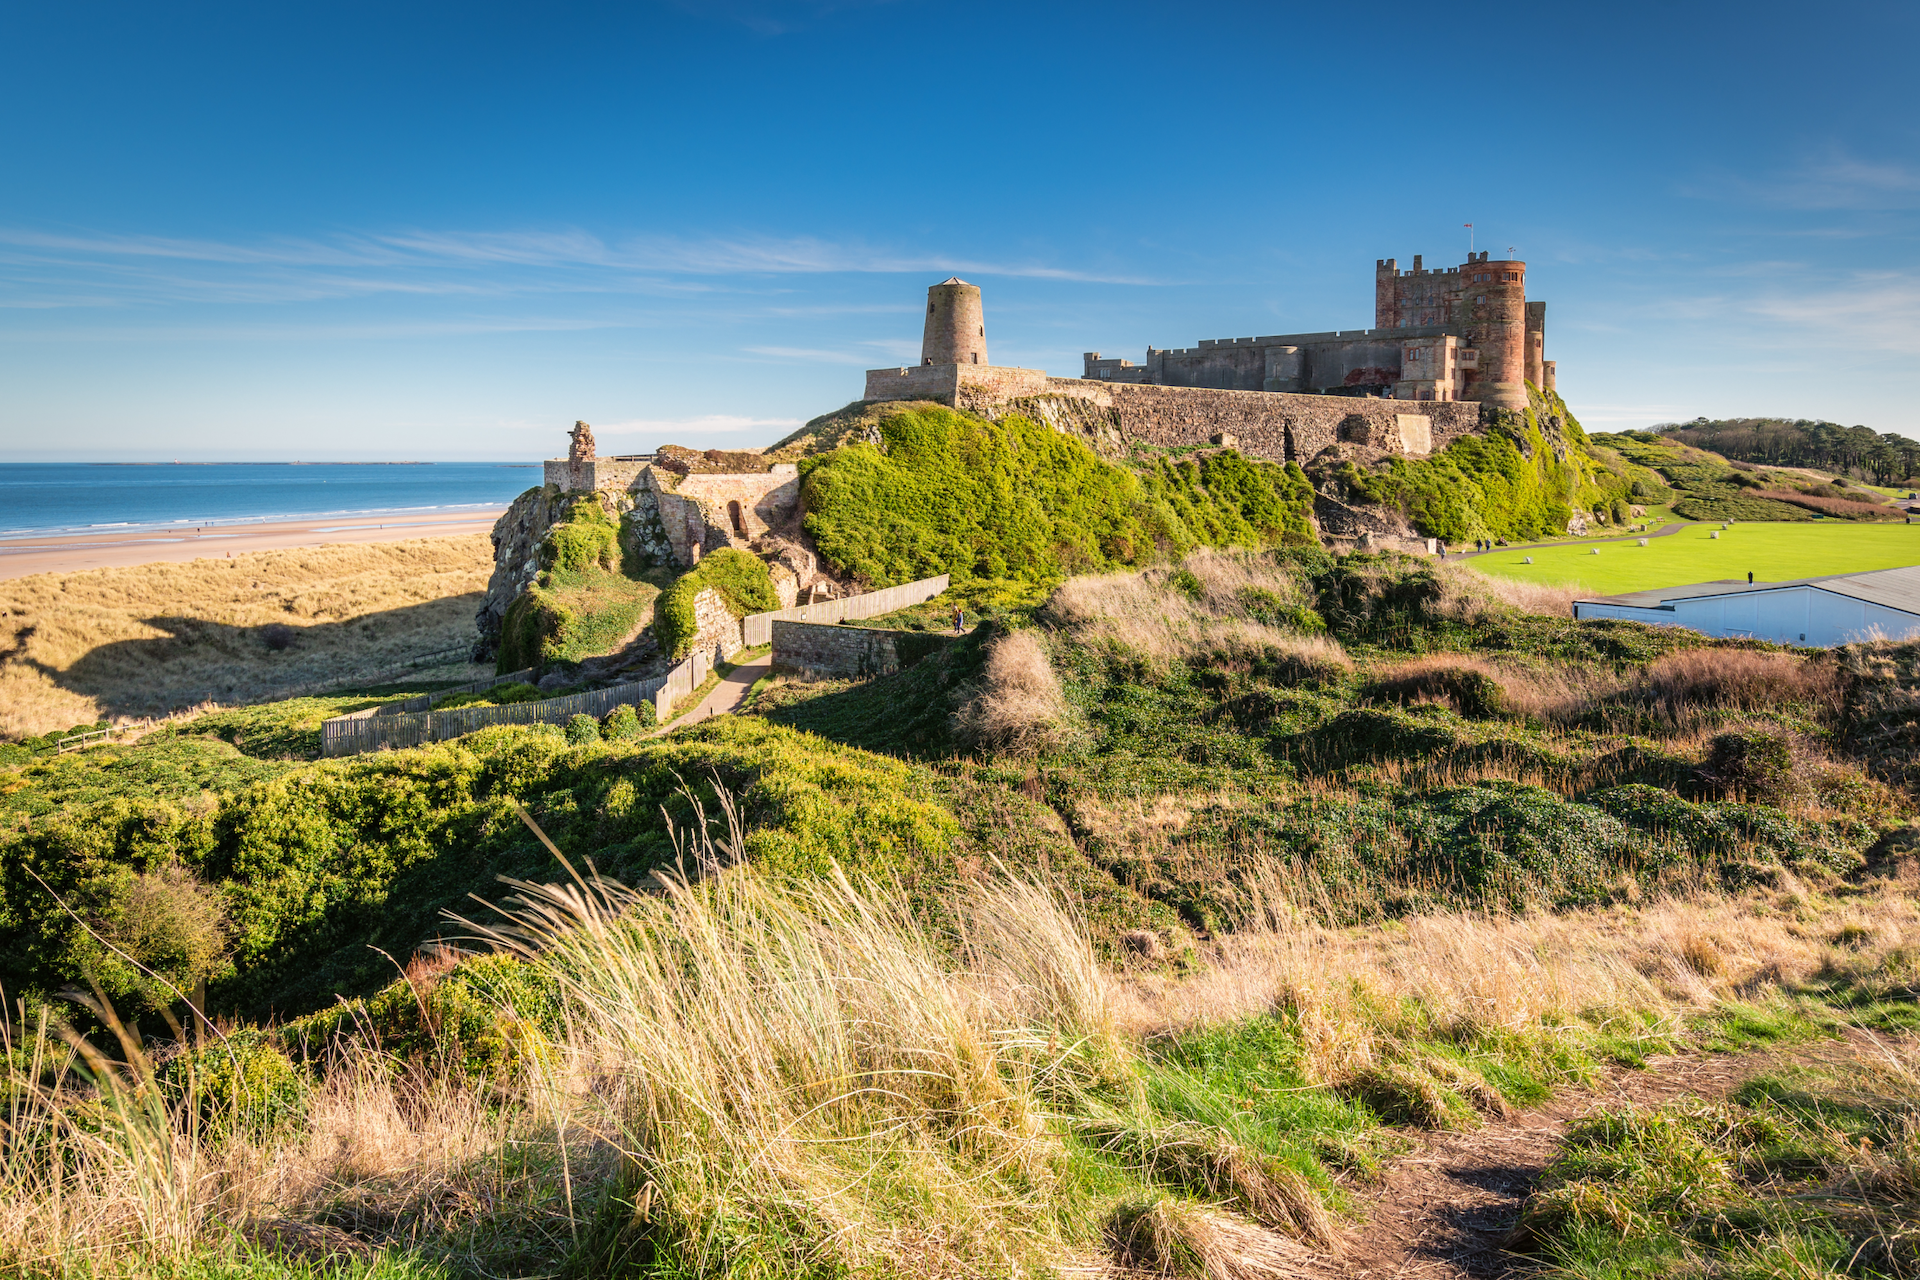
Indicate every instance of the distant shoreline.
{"type": "Point", "coordinates": [73, 553]}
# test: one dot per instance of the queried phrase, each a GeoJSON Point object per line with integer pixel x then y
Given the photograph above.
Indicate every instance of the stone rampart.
{"type": "Point", "coordinates": [823, 651]}
{"type": "Point", "coordinates": [757, 627]}
{"type": "Point", "coordinates": [954, 383]}
{"type": "Point", "coordinates": [1281, 426]}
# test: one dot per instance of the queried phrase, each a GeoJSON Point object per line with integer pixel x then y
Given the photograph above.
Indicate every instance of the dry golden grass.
{"type": "Point", "coordinates": [1474, 973]}
{"type": "Point", "coordinates": [1020, 709]}
{"type": "Point", "coordinates": [750, 1053]}
{"type": "Point", "coordinates": [1149, 614]}
{"type": "Point", "coordinates": [1471, 593]}
{"type": "Point", "coordinates": [145, 639]}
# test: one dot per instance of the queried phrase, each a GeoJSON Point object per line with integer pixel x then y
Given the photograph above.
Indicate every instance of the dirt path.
{"type": "Point", "coordinates": [1444, 1207]}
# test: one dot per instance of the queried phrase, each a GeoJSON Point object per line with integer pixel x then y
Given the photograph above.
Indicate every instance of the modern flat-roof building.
{"type": "Point", "coordinates": [1819, 612]}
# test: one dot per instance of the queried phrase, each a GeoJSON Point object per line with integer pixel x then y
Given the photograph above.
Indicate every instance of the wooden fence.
{"type": "Point", "coordinates": [757, 628]}
{"type": "Point", "coordinates": [414, 723]}
{"type": "Point", "coordinates": [350, 735]}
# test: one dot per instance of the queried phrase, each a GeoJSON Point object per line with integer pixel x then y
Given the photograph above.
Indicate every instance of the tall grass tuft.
{"type": "Point", "coordinates": [1020, 709]}
{"type": "Point", "coordinates": [800, 1075]}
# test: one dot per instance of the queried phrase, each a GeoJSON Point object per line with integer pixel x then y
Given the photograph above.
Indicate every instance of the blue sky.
{"type": "Point", "coordinates": [446, 231]}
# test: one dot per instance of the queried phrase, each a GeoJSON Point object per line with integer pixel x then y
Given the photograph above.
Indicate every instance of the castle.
{"type": "Point", "coordinates": [1465, 333]}
{"type": "Point", "coordinates": [1448, 348]}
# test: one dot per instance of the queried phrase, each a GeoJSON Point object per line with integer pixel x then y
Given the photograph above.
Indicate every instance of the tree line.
{"type": "Point", "coordinates": [1860, 452]}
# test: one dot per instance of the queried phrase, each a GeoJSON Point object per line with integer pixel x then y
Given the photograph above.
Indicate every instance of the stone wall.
{"type": "Point", "coordinates": [716, 630]}
{"type": "Point", "coordinates": [823, 651]}
{"type": "Point", "coordinates": [1276, 425]}
{"type": "Point", "coordinates": [594, 473]}
{"type": "Point", "coordinates": [767, 502]}
{"type": "Point", "coordinates": [954, 383]}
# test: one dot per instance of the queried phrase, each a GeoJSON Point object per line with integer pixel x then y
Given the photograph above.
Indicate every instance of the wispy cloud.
{"type": "Point", "coordinates": [1830, 180]}
{"type": "Point", "coordinates": [868, 352]}
{"type": "Point", "coordinates": [44, 269]}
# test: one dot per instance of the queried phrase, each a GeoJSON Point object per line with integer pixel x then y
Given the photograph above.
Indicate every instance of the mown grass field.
{"type": "Point", "coordinates": [1772, 552]}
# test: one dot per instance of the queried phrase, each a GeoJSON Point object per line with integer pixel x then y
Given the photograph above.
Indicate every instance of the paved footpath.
{"type": "Point", "coordinates": [726, 696]}
{"type": "Point", "coordinates": [1665, 532]}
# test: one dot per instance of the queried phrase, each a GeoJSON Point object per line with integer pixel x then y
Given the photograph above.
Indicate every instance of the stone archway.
{"type": "Point", "coordinates": [737, 519]}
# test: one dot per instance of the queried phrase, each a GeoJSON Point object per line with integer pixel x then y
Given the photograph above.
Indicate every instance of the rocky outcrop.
{"type": "Point", "coordinates": [516, 561]}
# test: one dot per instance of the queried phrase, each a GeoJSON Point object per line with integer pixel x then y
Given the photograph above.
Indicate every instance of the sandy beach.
{"type": "Point", "coordinates": [70, 553]}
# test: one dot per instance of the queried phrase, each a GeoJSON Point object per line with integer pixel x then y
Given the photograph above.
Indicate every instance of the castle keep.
{"type": "Point", "coordinates": [1463, 333]}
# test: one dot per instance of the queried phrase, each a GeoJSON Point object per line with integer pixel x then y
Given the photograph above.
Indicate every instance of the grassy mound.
{"type": "Point", "coordinates": [583, 603]}
{"type": "Point", "coordinates": [742, 581]}
{"type": "Point", "coordinates": [1012, 507]}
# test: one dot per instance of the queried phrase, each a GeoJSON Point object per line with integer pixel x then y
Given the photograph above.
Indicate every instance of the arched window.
{"type": "Point", "coordinates": [739, 521]}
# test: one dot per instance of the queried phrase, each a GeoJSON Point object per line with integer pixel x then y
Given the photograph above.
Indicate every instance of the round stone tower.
{"type": "Point", "coordinates": [1495, 302]}
{"type": "Point", "coordinates": [956, 330]}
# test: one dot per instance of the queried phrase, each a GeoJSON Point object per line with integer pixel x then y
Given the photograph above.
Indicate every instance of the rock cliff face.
{"type": "Point", "coordinates": [516, 561]}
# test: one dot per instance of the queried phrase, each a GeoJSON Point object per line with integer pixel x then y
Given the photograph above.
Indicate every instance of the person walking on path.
{"type": "Point", "coordinates": [959, 620]}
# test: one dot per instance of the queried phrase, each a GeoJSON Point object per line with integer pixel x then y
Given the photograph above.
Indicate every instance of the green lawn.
{"type": "Point", "coordinates": [1771, 552]}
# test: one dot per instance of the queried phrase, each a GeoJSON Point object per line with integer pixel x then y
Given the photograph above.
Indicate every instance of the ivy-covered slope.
{"type": "Point", "coordinates": [1012, 507]}
{"type": "Point", "coordinates": [1523, 479]}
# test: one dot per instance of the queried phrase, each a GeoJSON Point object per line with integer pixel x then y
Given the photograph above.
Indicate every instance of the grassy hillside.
{"type": "Point", "coordinates": [1707, 486]}
{"type": "Point", "coordinates": [1520, 480]}
{"type": "Point", "coordinates": [1885, 458]}
{"type": "Point", "coordinates": [1009, 508]}
{"type": "Point", "coordinates": [1089, 903]}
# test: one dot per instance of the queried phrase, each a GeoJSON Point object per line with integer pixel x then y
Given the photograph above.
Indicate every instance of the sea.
{"type": "Point", "coordinates": [42, 499]}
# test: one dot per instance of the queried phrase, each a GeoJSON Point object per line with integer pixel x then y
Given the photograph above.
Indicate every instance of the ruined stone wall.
{"type": "Point", "coordinates": [516, 559]}
{"type": "Point", "coordinates": [766, 502]}
{"type": "Point", "coordinates": [593, 473]}
{"type": "Point", "coordinates": [716, 630]}
{"type": "Point", "coordinates": [1274, 425]}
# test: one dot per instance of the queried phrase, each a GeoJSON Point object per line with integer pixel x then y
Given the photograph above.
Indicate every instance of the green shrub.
{"type": "Point", "coordinates": [741, 579]}
{"type": "Point", "coordinates": [240, 1085]}
{"type": "Point", "coordinates": [1764, 762]}
{"type": "Point", "coordinates": [585, 540]}
{"type": "Point", "coordinates": [582, 729]}
{"type": "Point", "coordinates": [161, 931]}
{"type": "Point", "coordinates": [500, 695]}
{"type": "Point", "coordinates": [628, 721]}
